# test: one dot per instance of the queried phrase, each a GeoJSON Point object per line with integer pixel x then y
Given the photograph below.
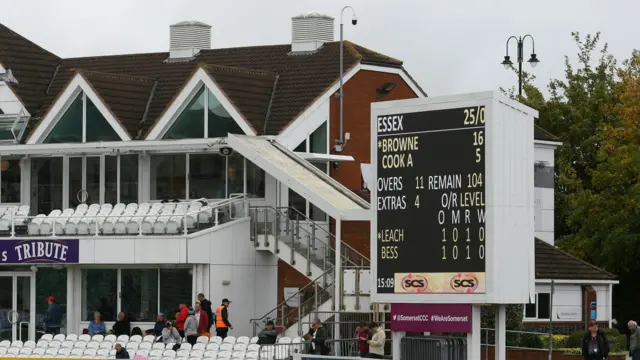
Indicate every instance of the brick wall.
{"type": "Point", "coordinates": [360, 92]}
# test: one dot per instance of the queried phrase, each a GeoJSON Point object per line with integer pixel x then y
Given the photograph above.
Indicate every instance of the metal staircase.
{"type": "Point", "coordinates": [309, 248]}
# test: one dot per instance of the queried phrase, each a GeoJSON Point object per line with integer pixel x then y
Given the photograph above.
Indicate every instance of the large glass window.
{"type": "Point", "coordinates": [100, 293]}
{"type": "Point", "coordinates": [235, 175]}
{"type": "Point", "coordinates": [10, 180]}
{"type": "Point", "coordinates": [204, 116]}
{"type": "Point", "coordinates": [220, 123]}
{"type": "Point", "coordinates": [176, 289]}
{"type": "Point", "coordinates": [110, 179]}
{"type": "Point", "coordinates": [139, 291]}
{"type": "Point", "coordinates": [128, 174]}
{"type": "Point", "coordinates": [46, 184]}
{"type": "Point", "coordinates": [207, 176]}
{"type": "Point", "coordinates": [318, 140]}
{"type": "Point", "coordinates": [168, 175]}
{"type": "Point", "coordinates": [71, 126]}
{"type": "Point", "coordinates": [51, 282]}
{"type": "Point", "coordinates": [255, 180]}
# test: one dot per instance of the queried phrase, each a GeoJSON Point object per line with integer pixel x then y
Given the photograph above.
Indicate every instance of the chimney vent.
{"type": "Point", "coordinates": [187, 38]}
{"type": "Point", "coordinates": [310, 31]}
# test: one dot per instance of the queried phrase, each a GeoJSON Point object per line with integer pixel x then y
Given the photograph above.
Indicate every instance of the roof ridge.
{"type": "Point", "coordinates": [114, 75]}
{"type": "Point", "coordinates": [575, 257]}
{"type": "Point", "coordinates": [238, 69]}
{"type": "Point", "coordinates": [546, 132]}
{"type": "Point", "coordinates": [29, 41]}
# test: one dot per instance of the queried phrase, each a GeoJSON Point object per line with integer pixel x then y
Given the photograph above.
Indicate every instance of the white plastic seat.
{"type": "Point", "coordinates": [229, 340]}
{"type": "Point", "coordinates": [151, 218]}
{"type": "Point", "coordinates": [149, 339]}
{"type": "Point", "coordinates": [210, 354]}
{"type": "Point", "coordinates": [146, 345]}
{"type": "Point", "coordinates": [183, 353]}
{"type": "Point", "coordinates": [103, 352]}
{"type": "Point", "coordinates": [84, 337]}
{"type": "Point", "coordinates": [239, 355]}
{"type": "Point", "coordinates": [72, 337]}
{"type": "Point", "coordinates": [133, 225]}
{"type": "Point", "coordinates": [34, 226]}
{"type": "Point", "coordinates": [226, 347]}
{"type": "Point", "coordinates": [67, 344]}
{"type": "Point", "coordinates": [177, 221]}
{"type": "Point", "coordinates": [17, 344]}
{"type": "Point", "coordinates": [135, 338]}
{"type": "Point", "coordinates": [64, 351]}
{"type": "Point", "coordinates": [70, 227]}
{"type": "Point", "coordinates": [109, 225]}
{"type": "Point", "coordinates": [51, 351]}
{"type": "Point", "coordinates": [156, 353]}
{"type": "Point", "coordinates": [167, 358]}
{"type": "Point", "coordinates": [29, 344]}
{"type": "Point", "coordinates": [20, 217]}
{"type": "Point", "coordinates": [106, 345]}
{"type": "Point", "coordinates": [284, 340]}
{"type": "Point", "coordinates": [46, 337]}
{"type": "Point", "coordinates": [224, 354]}
{"type": "Point", "coordinates": [213, 347]}
{"type": "Point", "coordinates": [160, 225]}
{"type": "Point", "coordinates": [26, 351]}
{"type": "Point", "coordinates": [205, 214]}
{"type": "Point", "coordinates": [169, 353]}
{"type": "Point", "coordinates": [216, 340]}
{"type": "Point", "coordinates": [181, 358]}
{"type": "Point", "coordinates": [243, 340]}
{"type": "Point", "coordinates": [123, 338]}
{"type": "Point", "coordinates": [170, 346]}
{"type": "Point", "coordinates": [253, 347]}
{"type": "Point", "coordinates": [132, 345]}
{"type": "Point", "coordinates": [97, 338]}
{"type": "Point", "coordinates": [240, 347]}
{"type": "Point", "coordinates": [254, 340]}
{"type": "Point", "coordinates": [195, 358]}
{"type": "Point", "coordinates": [93, 345]}
{"type": "Point", "coordinates": [60, 338]}
{"type": "Point", "coordinates": [200, 345]}
{"type": "Point", "coordinates": [90, 352]}
{"type": "Point", "coordinates": [47, 224]}
{"type": "Point", "coordinates": [142, 352]}
{"type": "Point", "coordinates": [158, 346]}
{"type": "Point", "coordinates": [59, 223]}
{"type": "Point", "coordinates": [13, 351]}
{"type": "Point", "coordinates": [80, 345]}
{"type": "Point", "coordinates": [196, 353]}
{"type": "Point", "coordinates": [38, 351]}
{"type": "Point", "coordinates": [112, 352]}
{"type": "Point", "coordinates": [251, 355]}
{"type": "Point", "coordinates": [43, 343]}
{"type": "Point", "coordinates": [5, 344]}
{"type": "Point", "coordinates": [47, 356]}
{"type": "Point", "coordinates": [185, 346]}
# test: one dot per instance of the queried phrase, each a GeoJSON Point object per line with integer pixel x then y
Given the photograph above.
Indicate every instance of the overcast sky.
{"type": "Point", "coordinates": [449, 46]}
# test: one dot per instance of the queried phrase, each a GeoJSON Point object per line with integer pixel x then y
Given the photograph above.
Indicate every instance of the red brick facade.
{"type": "Point", "coordinates": [360, 92]}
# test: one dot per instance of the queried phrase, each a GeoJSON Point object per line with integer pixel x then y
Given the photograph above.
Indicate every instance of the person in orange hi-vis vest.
{"type": "Point", "coordinates": [222, 319]}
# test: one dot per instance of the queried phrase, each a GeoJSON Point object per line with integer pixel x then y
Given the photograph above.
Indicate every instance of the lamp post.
{"type": "Point", "coordinates": [339, 145]}
{"type": "Point", "coordinates": [533, 60]}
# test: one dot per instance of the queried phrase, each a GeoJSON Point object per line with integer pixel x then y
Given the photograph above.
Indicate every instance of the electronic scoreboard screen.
{"type": "Point", "coordinates": [431, 201]}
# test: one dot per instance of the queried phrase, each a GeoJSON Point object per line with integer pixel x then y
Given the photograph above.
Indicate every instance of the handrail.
{"type": "Point", "coordinates": [326, 231]}
{"type": "Point", "coordinates": [311, 283]}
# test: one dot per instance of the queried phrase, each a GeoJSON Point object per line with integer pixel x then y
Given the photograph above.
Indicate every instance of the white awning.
{"type": "Point", "coordinates": [367, 176]}
{"type": "Point", "coordinates": [302, 177]}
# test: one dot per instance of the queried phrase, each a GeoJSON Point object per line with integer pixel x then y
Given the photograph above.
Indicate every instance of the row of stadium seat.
{"type": "Point", "coordinates": [107, 219]}
{"type": "Point", "coordinates": [20, 214]}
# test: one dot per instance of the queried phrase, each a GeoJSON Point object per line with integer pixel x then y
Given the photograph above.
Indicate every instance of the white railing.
{"type": "Point", "coordinates": [130, 224]}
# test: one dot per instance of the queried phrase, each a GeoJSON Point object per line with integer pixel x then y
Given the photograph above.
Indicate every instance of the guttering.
{"type": "Point", "coordinates": [577, 282]}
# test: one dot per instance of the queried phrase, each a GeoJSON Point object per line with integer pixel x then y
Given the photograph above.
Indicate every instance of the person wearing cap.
{"type": "Point", "coordinates": [269, 335]}
{"type": "Point", "coordinates": [191, 327]}
{"type": "Point", "coordinates": [53, 318]}
{"type": "Point", "coordinates": [181, 318]}
{"type": "Point", "coordinates": [595, 345]}
{"type": "Point", "coordinates": [222, 319]}
{"type": "Point", "coordinates": [160, 324]}
{"type": "Point", "coordinates": [206, 307]}
{"type": "Point", "coordinates": [170, 335]}
{"type": "Point", "coordinates": [634, 340]}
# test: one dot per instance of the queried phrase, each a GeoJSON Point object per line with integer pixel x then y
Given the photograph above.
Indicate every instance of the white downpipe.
{"type": "Point", "coordinates": [338, 278]}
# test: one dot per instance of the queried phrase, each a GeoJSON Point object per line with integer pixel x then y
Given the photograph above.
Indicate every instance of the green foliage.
{"type": "Point", "coordinates": [532, 341]}
{"type": "Point", "coordinates": [513, 321]}
{"type": "Point", "coordinates": [558, 341]}
{"type": "Point", "coordinates": [572, 351]}
{"type": "Point", "coordinates": [617, 341]}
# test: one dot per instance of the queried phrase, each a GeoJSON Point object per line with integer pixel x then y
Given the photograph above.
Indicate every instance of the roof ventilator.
{"type": "Point", "coordinates": [187, 38]}
{"type": "Point", "coordinates": [309, 32]}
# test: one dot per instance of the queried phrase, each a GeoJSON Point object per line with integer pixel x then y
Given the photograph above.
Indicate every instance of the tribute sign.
{"type": "Point", "coordinates": [453, 187]}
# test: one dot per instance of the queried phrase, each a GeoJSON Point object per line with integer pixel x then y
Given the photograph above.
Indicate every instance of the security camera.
{"type": "Point", "coordinates": [354, 20]}
{"type": "Point", "coordinates": [225, 151]}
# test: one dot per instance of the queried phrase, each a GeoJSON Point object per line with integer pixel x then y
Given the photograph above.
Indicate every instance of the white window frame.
{"type": "Point", "coordinates": [536, 304]}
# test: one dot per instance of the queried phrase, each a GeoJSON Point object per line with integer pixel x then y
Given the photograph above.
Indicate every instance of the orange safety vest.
{"type": "Point", "coordinates": [219, 322]}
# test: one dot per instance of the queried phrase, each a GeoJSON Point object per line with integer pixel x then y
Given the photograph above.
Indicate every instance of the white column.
{"type": "Point", "coordinates": [338, 277]}
{"type": "Point", "coordinates": [610, 304]}
{"type": "Point", "coordinates": [32, 306]}
{"type": "Point", "coordinates": [500, 333]}
{"type": "Point", "coordinates": [475, 336]}
{"type": "Point", "coordinates": [70, 327]}
{"type": "Point", "coordinates": [396, 338]}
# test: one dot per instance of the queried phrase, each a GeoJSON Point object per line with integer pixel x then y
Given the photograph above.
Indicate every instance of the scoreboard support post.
{"type": "Point", "coordinates": [474, 338]}
{"type": "Point", "coordinates": [501, 332]}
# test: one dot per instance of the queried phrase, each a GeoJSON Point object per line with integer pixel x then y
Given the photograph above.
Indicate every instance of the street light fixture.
{"type": "Point", "coordinates": [339, 145]}
{"type": "Point", "coordinates": [533, 60]}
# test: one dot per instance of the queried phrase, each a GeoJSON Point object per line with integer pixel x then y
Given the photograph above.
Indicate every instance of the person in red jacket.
{"type": "Point", "coordinates": [181, 318]}
{"type": "Point", "coordinates": [203, 320]}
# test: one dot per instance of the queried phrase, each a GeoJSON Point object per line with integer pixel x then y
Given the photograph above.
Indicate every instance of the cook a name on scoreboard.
{"type": "Point", "coordinates": [440, 283]}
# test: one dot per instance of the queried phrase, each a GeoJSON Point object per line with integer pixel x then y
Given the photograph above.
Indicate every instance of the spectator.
{"type": "Point", "coordinates": [136, 331]}
{"type": "Point", "coordinates": [191, 328]}
{"type": "Point", "coordinates": [376, 344]}
{"type": "Point", "coordinates": [96, 327]}
{"type": "Point", "coordinates": [206, 307]}
{"type": "Point", "coordinates": [171, 335]}
{"type": "Point", "coordinates": [53, 318]}
{"type": "Point", "coordinates": [318, 336]}
{"type": "Point", "coordinates": [363, 335]}
{"type": "Point", "coordinates": [634, 340]}
{"type": "Point", "coordinates": [595, 345]}
{"type": "Point", "coordinates": [222, 319]}
{"type": "Point", "coordinates": [203, 320]}
{"type": "Point", "coordinates": [269, 335]}
{"type": "Point", "coordinates": [122, 325]}
{"type": "Point", "coordinates": [121, 353]}
{"type": "Point", "coordinates": [181, 318]}
{"type": "Point", "coordinates": [161, 323]}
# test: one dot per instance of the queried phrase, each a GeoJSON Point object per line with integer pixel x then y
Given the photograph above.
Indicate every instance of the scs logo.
{"type": "Point", "coordinates": [464, 283]}
{"type": "Point", "coordinates": [415, 283]}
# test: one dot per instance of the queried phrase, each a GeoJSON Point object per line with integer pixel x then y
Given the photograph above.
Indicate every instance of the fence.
{"type": "Point", "coordinates": [282, 351]}
{"type": "Point", "coordinates": [433, 348]}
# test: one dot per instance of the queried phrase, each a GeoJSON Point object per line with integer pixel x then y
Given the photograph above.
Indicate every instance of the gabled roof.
{"type": "Point", "coordinates": [555, 264]}
{"type": "Point", "coordinates": [32, 65]}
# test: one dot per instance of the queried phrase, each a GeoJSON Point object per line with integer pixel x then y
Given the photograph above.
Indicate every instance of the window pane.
{"type": "Point", "coordinates": [220, 122]}
{"type": "Point", "coordinates": [235, 175]}
{"type": "Point", "coordinates": [11, 170]}
{"type": "Point", "coordinates": [543, 306]}
{"type": "Point", "coordinates": [176, 289]}
{"type": "Point", "coordinates": [297, 202]}
{"type": "Point", "coordinates": [111, 179]}
{"type": "Point", "coordinates": [99, 293]}
{"type": "Point", "coordinates": [315, 213]}
{"type": "Point", "coordinates": [76, 195]}
{"type": "Point", "coordinates": [530, 310]}
{"type": "Point", "coordinates": [93, 179]}
{"type": "Point", "coordinates": [46, 184]}
{"type": "Point", "coordinates": [139, 293]}
{"type": "Point", "coordinates": [302, 147]}
{"type": "Point", "coordinates": [168, 177]}
{"type": "Point", "coordinates": [318, 140]}
{"type": "Point", "coordinates": [128, 179]}
{"type": "Point", "coordinates": [69, 127]}
{"type": "Point", "coordinates": [255, 180]}
{"type": "Point", "coordinates": [51, 282]}
{"type": "Point", "coordinates": [98, 128]}
{"type": "Point", "coordinates": [206, 176]}
{"type": "Point", "coordinates": [190, 123]}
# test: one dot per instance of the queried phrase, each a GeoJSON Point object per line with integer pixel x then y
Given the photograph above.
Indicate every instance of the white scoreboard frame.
{"type": "Point", "coordinates": [509, 198]}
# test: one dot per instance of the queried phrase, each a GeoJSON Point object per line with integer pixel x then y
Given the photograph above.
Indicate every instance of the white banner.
{"type": "Point", "coordinates": [293, 301]}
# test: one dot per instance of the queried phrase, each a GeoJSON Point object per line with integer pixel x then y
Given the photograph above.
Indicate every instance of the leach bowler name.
{"type": "Point", "coordinates": [38, 250]}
